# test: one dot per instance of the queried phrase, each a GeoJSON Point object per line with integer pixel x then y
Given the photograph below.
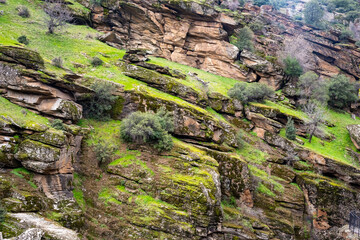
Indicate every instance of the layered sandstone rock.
{"type": "Point", "coordinates": [39, 90]}
{"type": "Point", "coordinates": [190, 33]}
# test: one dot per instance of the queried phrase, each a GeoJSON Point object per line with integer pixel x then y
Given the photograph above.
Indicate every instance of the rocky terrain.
{"type": "Point", "coordinates": [177, 55]}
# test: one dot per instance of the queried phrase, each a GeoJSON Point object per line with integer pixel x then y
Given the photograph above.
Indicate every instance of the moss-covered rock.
{"type": "Point", "coordinates": [165, 83]}
{"type": "Point", "coordinates": [23, 56]}
{"type": "Point", "coordinates": [51, 137]}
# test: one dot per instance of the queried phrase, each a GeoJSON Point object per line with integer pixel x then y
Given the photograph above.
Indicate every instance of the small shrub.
{"type": "Point", "coordinates": [98, 105]}
{"type": "Point", "coordinates": [149, 128]}
{"type": "Point", "coordinates": [23, 11]}
{"type": "Point", "coordinates": [292, 67]}
{"type": "Point", "coordinates": [103, 151]}
{"type": "Point", "coordinates": [341, 92]}
{"type": "Point", "coordinates": [290, 129]}
{"type": "Point", "coordinates": [58, 124]}
{"type": "Point", "coordinates": [256, 26]}
{"type": "Point", "coordinates": [57, 62]}
{"type": "Point", "coordinates": [244, 39]}
{"type": "Point", "coordinates": [357, 44]}
{"type": "Point", "coordinates": [96, 62]}
{"type": "Point", "coordinates": [23, 39]}
{"type": "Point", "coordinates": [250, 92]}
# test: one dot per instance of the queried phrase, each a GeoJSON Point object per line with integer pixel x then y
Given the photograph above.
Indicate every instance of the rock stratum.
{"type": "Point", "coordinates": [210, 185]}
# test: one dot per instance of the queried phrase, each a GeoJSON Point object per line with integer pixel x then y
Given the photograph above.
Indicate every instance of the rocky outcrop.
{"type": "Point", "coordinates": [31, 234]}
{"type": "Point", "coordinates": [190, 33]}
{"type": "Point", "coordinates": [354, 131]}
{"type": "Point", "coordinates": [39, 90]}
{"type": "Point", "coordinates": [51, 228]}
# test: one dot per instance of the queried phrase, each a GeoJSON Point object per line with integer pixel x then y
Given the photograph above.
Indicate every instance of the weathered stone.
{"type": "Point", "coordinates": [166, 84]}
{"type": "Point", "coordinates": [31, 234]}
{"type": "Point", "coordinates": [354, 131]}
{"type": "Point", "coordinates": [52, 229]}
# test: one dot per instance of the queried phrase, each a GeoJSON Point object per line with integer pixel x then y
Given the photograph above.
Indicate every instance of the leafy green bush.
{"type": "Point", "coordinates": [23, 39]}
{"type": "Point", "coordinates": [292, 67]}
{"type": "Point", "coordinates": [290, 129]}
{"type": "Point", "coordinates": [96, 62]}
{"type": "Point", "coordinates": [103, 151]}
{"type": "Point", "coordinates": [250, 92]}
{"type": "Point", "coordinates": [98, 105]}
{"type": "Point", "coordinates": [313, 13]}
{"type": "Point", "coordinates": [58, 124]}
{"type": "Point", "coordinates": [149, 128]}
{"type": "Point", "coordinates": [244, 39]}
{"type": "Point", "coordinates": [341, 92]}
{"type": "Point", "coordinates": [57, 62]}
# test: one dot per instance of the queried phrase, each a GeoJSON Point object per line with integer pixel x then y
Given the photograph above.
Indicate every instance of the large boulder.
{"type": "Point", "coordinates": [354, 131]}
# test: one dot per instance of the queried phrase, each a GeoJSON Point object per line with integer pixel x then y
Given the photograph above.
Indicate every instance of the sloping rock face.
{"type": "Point", "coordinates": [33, 88]}
{"type": "Point", "coordinates": [198, 35]}
{"type": "Point", "coordinates": [190, 33]}
{"type": "Point", "coordinates": [318, 51]}
{"type": "Point", "coordinates": [43, 150]}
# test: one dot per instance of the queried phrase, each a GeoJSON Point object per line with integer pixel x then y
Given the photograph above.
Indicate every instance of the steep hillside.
{"type": "Point", "coordinates": [231, 174]}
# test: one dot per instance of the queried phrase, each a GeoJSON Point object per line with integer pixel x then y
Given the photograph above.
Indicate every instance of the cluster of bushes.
{"type": "Point", "coordinates": [149, 128]}
{"type": "Point", "coordinates": [250, 92]}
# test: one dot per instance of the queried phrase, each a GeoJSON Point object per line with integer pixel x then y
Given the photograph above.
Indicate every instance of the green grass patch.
{"type": "Point", "coordinates": [263, 189]}
{"type": "Point", "coordinates": [216, 83]}
{"type": "Point", "coordinates": [266, 178]}
{"type": "Point", "coordinates": [335, 149]}
{"type": "Point", "coordinates": [281, 108]}
{"type": "Point", "coordinates": [22, 116]}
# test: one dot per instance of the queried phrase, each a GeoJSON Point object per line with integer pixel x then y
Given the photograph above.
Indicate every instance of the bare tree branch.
{"type": "Point", "coordinates": [57, 13]}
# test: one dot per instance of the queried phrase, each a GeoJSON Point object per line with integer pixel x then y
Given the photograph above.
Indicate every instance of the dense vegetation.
{"type": "Point", "coordinates": [149, 128]}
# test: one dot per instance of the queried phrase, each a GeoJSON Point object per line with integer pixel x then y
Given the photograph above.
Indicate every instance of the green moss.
{"type": "Point", "coordinates": [281, 108]}
{"type": "Point", "coordinates": [263, 189]}
{"type": "Point", "coordinates": [216, 83]}
{"type": "Point", "coordinates": [267, 179]}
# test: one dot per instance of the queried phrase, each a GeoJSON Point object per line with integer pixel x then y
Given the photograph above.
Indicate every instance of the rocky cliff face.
{"type": "Point", "coordinates": [197, 34]}
{"type": "Point", "coordinates": [213, 184]}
